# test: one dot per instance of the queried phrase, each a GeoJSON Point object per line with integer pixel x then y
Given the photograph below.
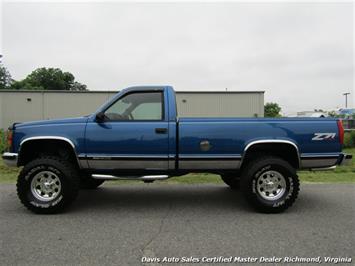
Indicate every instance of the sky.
{"type": "Point", "coordinates": [300, 54]}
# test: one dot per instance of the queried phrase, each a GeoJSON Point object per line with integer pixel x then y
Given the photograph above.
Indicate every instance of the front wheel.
{"type": "Point", "coordinates": [47, 185]}
{"type": "Point", "coordinates": [270, 184]}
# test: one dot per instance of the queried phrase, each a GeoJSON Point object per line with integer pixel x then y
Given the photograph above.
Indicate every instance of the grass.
{"type": "Point", "coordinates": [7, 174]}
{"type": "Point", "coordinates": [342, 174]}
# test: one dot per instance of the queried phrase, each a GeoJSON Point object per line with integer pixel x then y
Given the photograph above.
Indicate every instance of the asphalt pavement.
{"type": "Point", "coordinates": [121, 225]}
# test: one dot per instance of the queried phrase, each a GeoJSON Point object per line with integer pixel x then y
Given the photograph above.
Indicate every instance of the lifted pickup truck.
{"type": "Point", "coordinates": [137, 135]}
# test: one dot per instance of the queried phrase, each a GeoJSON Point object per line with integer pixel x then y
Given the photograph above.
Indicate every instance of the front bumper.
{"type": "Point", "coordinates": [345, 159]}
{"type": "Point", "coordinates": [10, 159]}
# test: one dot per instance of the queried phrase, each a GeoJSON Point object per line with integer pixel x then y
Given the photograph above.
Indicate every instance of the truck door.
{"type": "Point", "coordinates": [133, 133]}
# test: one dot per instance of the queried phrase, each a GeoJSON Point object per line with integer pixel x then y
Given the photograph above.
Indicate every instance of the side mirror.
{"type": "Point", "coordinates": [100, 117]}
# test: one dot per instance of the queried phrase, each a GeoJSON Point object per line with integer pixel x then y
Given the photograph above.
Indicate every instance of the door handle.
{"type": "Point", "coordinates": [161, 130]}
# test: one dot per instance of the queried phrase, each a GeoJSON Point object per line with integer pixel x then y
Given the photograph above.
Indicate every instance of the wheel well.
{"type": "Point", "coordinates": [283, 150]}
{"type": "Point", "coordinates": [32, 149]}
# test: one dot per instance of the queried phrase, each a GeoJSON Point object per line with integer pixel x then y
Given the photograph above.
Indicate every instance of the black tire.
{"type": "Point", "coordinates": [87, 182]}
{"type": "Point", "coordinates": [53, 168]}
{"type": "Point", "coordinates": [268, 175]}
{"type": "Point", "coordinates": [232, 181]}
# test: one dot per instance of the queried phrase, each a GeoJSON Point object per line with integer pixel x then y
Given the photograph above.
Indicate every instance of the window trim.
{"type": "Point", "coordinates": [140, 120]}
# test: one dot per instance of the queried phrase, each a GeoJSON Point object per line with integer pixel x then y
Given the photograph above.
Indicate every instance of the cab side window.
{"type": "Point", "coordinates": [137, 106]}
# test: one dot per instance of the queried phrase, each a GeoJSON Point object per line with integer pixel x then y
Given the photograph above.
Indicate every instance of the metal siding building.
{"type": "Point", "coordinates": [220, 104]}
{"type": "Point", "coordinates": [21, 106]}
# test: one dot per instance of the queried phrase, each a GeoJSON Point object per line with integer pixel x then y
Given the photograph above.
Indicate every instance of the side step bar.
{"type": "Point", "coordinates": [143, 178]}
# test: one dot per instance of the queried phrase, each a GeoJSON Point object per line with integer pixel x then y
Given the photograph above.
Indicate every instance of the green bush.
{"type": "Point", "coordinates": [349, 139]}
{"type": "Point", "coordinates": [2, 141]}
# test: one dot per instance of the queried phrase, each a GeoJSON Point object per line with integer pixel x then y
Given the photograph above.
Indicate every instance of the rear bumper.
{"type": "Point", "coordinates": [344, 159]}
{"type": "Point", "coordinates": [10, 159]}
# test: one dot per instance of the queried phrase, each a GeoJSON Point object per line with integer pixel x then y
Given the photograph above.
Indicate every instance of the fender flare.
{"type": "Point", "coordinates": [50, 138]}
{"type": "Point", "coordinates": [269, 141]}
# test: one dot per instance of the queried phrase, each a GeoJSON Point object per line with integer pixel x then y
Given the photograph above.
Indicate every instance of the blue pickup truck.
{"type": "Point", "coordinates": [138, 135]}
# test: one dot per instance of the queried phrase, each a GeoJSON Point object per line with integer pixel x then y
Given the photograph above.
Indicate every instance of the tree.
{"type": "Point", "coordinates": [272, 110]}
{"type": "Point", "coordinates": [332, 114]}
{"type": "Point", "coordinates": [77, 86]}
{"type": "Point", "coordinates": [49, 79]}
{"type": "Point", "coordinates": [5, 78]}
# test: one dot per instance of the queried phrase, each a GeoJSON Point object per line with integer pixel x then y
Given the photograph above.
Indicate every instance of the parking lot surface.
{"type": "Point", "coordinates": [122, 224]}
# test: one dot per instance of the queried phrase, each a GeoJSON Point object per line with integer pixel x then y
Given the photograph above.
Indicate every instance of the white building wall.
{"type": "Point", "coordinates": [21, 106]}
{"type": "Point", "coordinates": [220, 104]}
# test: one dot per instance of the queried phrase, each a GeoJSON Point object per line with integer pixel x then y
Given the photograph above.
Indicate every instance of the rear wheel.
{"type": "Point", "coordinates": [47, 185]}
{"type": "Point", "coordinates": [232, 181]}
{"type": "Point", "coordinates": [270, 184]}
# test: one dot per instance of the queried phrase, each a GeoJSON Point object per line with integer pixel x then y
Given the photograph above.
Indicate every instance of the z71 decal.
{"type": "Point", "coordinates": [324, 136]}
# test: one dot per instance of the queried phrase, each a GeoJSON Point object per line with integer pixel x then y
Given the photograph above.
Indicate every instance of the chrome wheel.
{"type": "Point", "coordinates": [45, 186]}
{"type": "Point", "coordinates": [271, 185]}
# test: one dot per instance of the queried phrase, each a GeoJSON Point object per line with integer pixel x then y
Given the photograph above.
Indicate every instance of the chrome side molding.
{"type": "Point", "coordinates": [324, 163]}
{"type": "Point", "coordinates": [318, 162]}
